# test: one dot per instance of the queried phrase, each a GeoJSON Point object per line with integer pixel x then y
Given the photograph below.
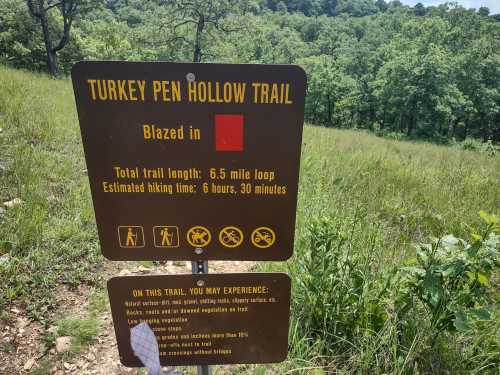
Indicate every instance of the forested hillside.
{"type": "Point", "coordinates": [418, 72]}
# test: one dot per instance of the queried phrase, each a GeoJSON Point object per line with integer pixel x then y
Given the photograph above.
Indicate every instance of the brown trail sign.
{"type": "Point", "coordinates": [204, 319]}
{"type": "Point", "coordinates": [187, 156]}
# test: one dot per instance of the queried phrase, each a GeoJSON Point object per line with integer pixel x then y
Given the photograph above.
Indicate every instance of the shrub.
{"type": "Point", "coordinates": [451, 277]}
{"type": "Point", "coordinates": [356, 315]}
{"type": "Point", "coordinates": [337, 289]}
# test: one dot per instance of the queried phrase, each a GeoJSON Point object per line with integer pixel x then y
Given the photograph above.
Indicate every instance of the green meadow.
{"type": "Point", "coordinates": [364, 288]}
{"type": "Point", "coordinates": [368, 297]}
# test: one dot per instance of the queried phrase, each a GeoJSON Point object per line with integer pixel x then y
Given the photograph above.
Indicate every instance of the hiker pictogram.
{"type": "Point", "coordinates": [231, 237]}
{"type": "Point", "coordinates": [198, 236]}
{"type": "Point", "coordinates": [263, 237]}
{"type": "Point", "coordinates": [131, 236]}
{"type": "Point", "coordinates": [166, 236]}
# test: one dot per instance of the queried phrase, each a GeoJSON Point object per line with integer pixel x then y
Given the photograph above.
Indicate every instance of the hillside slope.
{"type": "Point", "coordinates": [385, 196]}
{"type": "Point", "coordinates": [49, 238]}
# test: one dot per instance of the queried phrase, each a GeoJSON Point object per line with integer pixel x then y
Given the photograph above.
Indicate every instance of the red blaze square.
{"type": "Point", "coordinates": [228, 132]}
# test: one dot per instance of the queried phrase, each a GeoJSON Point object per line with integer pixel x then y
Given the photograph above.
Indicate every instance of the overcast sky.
{"type": "Point", "coordinates": [494, 5]}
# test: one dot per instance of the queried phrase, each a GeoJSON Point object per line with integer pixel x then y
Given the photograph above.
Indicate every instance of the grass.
{"type": "Point", "coordinates": [379, 196]}
{"type": "Point", "coordinates": [82, 331]}
{"type": "Point", "coordinates": [50, 238]}
{"type": "Point", "coordinates": [409, 191]}
{"type": "Point", "coordinates": [44, 368]}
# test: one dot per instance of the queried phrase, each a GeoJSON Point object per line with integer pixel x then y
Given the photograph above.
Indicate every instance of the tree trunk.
{"type": "Point", "coordinates": [329, 110]}
{"type": "Point", "coordinates": [197, 53]}
{"type": "Point", "coordinates": [485, 128]}
{"type": "Point", "coordinates": [371, 118]}
{"type": "Point", "coordinates": [411, 124]}
{"type": "Point", "coordinates": [52, 63]}
{"type": "Point", "coordinates": [400, 123]}
{"type": "Point", "coordinates": [51, 55]}
{"type": "Point", "coordinates": [197, 42]}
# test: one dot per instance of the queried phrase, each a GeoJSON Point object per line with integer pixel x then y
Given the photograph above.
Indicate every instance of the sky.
{"type": "Point", "coordinates": [494, 5]}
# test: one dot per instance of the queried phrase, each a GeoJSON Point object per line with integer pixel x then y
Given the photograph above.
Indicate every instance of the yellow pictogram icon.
{"type": "Point", "coordinates": [263, 237]}
{"type": "Point", "coordinates": [198, 236]}
{"type": "Point", "coordinates": [231, 237]}
{"type": "Point", "coordinates": [166, 236]}
{"type": "Point", "coordinates": [131, 236]}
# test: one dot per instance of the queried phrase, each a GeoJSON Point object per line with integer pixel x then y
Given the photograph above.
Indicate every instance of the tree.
{"type": "Point", "coordinates": [419, 9]}
{"type": "Point", "coordinates": [328, 6]}
{"type": "Point", "coordinates": [415, 88]}
{"type": "Point", "coordinates": [331, 94]}
{"type": "Point", "coordinates": [381, 5]}
{"type": "Point", "coordinates": [395, 4]}
{"type": "Point", "coordinates": [435, 76]}
{"type": "Point", "coordinates": [68, 9]}
{"type": "Point", "coordinates": [108, 40]}
{"type": "Point", "coordinates": [484, 11]}
{"type": "Point", "coordinates": [357, 8]}
{"type": "Point", "coordinates": [20, 42]}
{"type": "Point", "coordinates": [191, 21]}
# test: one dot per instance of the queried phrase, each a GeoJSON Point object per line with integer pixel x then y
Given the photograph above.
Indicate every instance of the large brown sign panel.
{"type": "Point", "coordinates": [204, 319]}
{"type": "Point", "coordinates": [192, 161]}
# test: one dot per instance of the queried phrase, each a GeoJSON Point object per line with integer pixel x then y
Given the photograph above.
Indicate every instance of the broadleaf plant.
{"type": "Point", "coordinates": [451, 279]}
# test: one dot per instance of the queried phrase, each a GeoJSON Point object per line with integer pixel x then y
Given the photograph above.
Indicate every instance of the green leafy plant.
{"type": "Point", "coordinates": [451, 279]}
{"type": "Point", "coordinates": [337, 291]}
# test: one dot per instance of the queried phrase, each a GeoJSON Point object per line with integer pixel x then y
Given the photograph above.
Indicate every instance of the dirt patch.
{"type": "Point", "coordinates": [21, 344]}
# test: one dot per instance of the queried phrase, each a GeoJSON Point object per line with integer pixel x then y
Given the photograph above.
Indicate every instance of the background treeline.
{"type": "Point", "coordinates": [420, 72]}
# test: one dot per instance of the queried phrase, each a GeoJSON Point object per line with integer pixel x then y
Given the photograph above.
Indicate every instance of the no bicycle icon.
{"type": "Point", "coordinates": [231, 237]}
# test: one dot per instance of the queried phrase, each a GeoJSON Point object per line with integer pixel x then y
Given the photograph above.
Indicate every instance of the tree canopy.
{"type": "Point", "coordinates": [425, 72]}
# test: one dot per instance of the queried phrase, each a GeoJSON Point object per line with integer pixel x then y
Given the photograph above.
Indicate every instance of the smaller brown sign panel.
{"type": "Point", "coordinates": [204, 319]}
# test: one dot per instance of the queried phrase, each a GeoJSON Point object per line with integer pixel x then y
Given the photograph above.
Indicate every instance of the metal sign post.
{"type": "Point", "coordinates": [201, 267]}
{"type": "Point", "coordinates": [204, 370]}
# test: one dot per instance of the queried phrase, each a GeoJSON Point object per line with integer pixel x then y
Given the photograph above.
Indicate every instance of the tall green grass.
{"type": "Point", "coordinates": [50, 238]}
{"type": "Point", "coordinates": [364, 203]}
{"type": "Point", "coordinates": [410, 191]}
